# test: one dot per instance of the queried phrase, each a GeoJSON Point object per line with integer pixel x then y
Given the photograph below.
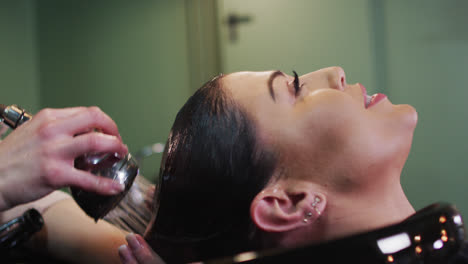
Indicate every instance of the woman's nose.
{"type": "Point", "coordinates": [336, 78]}
{"type": "Point", "coordinates": [331, 77]}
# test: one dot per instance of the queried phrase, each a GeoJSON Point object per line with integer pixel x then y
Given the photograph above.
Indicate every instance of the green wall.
{"type": "Point", "coordinates": [127, 57]}
{"type": "Point", "coordinates": [301, 35]}
{"type": "Point", "coordinates": [427, 64]}
{"type": "Point", "coordinates": [18, 54]}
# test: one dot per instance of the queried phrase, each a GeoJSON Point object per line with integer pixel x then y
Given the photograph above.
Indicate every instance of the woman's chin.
{"type": "Point", "coordinates": [409, 115]}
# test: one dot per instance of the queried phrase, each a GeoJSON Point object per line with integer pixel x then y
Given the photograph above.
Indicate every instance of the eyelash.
{"type": "Point", "coordinates": [297, 87]}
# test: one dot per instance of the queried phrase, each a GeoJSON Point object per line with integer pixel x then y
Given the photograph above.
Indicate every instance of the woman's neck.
{"type": "Point", "coordinates": [364, 211]}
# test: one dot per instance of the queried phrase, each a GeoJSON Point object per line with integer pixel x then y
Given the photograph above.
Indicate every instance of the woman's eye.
{"type": "Point", "coordinates": [297, 87]}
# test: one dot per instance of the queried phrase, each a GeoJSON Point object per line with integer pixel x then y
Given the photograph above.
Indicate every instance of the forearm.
{"type": "Point", "coordinates": [72, 236]}
{"type": "Point", "coordinates": [40, 205]}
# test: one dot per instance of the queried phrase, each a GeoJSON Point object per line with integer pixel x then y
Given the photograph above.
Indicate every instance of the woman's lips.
{"type": "Point", "coordinates": [371, 100]}
{"type": "Point", "coordinates": [375, 99]}
{"type": "Point", "coordinates": [364, 93]}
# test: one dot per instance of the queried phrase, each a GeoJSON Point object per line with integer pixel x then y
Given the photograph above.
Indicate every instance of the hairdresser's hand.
{"type": "Point", "coordinates": [38, 156]}
{"type": "Point", "coordinates": [3, 129]}
{"type": "Point", "coordinates": [138, 252]}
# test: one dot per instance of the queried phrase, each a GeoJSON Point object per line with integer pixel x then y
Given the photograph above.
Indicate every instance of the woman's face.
{"type": "Point", "coordinates": [323, 128]}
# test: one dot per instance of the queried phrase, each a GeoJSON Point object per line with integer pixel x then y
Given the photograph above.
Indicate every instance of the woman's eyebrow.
{"type": "Point", "coordinates": [272, 77]}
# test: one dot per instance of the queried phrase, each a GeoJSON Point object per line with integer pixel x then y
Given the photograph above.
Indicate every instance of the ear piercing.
{"type": "Point", "coordinates": [316, 201]}
{"type": "Point", "coordinates": [314, 205]}
{"type": "Point", "coordinates": [308, 215]}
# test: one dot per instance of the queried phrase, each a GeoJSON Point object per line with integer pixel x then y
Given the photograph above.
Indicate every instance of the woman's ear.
{"type": "Point", "coordinates": [276, 209]}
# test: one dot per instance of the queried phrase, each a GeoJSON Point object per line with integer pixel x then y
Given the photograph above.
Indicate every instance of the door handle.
{"type": "Point", "coordinates": [233, 21]}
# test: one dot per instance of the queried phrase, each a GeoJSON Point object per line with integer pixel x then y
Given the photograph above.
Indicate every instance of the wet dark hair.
{"type": "Point", "coordinates": [212, 168]}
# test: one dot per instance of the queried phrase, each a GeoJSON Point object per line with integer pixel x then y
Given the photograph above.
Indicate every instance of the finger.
{"type": "Point", "coordinates": [93, 142]}
{"type": "Point", "coordinates": [64, 176]}
{"type": "Point", "coordinates": [51, 113]}
{"type": "Point", "coordinates": [3, 129]}
{"type": "Point", "coordinates": [141, 251]}
{"type": "Point", "coordinates": [88, 118]}
{"type": "Point", "coordinates": [154, 258]}
{"type": "Point", "coordinates": [126, 256]}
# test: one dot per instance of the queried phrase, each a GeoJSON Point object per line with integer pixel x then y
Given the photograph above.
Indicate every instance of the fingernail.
{"type": "Point", "coordinates": [125, 254]}
{"type": "Point", "coordinates": [140, 240]}
{"type": "Point", "coordinates": [123, 153]}
{"type": "Point", "coordinates": [133, 242]}
{"type": "Point", "coordinates": [117, 187]}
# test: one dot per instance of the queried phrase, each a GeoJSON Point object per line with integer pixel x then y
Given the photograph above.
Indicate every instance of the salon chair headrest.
{"type": "Point", "coordinates": [432, 235]}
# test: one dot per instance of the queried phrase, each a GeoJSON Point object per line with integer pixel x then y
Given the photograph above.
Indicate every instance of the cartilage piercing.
{"type": "Point", "coordinates": [316, 201]}
{"type": "Point", "coordinates": [314, 204]}
{"type": "Point", "coordinates": [307, 215]}
{"type": "Point", "coordinates": [317, 210]}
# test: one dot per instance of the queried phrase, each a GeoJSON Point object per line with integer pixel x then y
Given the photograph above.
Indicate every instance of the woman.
{"type": "Point", "coordinates": [264, 159]}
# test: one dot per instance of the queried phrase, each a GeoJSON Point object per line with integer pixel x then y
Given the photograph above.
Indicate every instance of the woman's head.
{"type": "Point", "coordinates": [327, 127]}
{"type": "Point", "coordinates": [254, 151]}
{"type": "Point", "coordinates": [211, 170]}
